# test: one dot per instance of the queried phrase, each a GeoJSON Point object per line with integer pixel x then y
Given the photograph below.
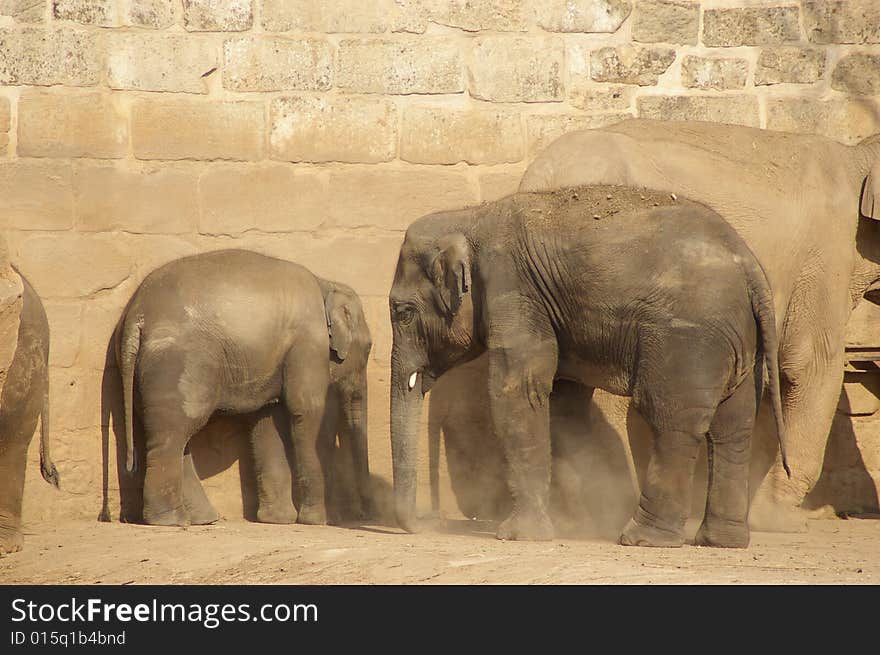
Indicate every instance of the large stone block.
{"type": "Point", "coordinates": [431, 135]}
{"type": "Point", "coordinates": [72, 265]}
{"type": "Point", "coordinates": [160, 62]}
{"type": "Point", "coordinates": [267, 197]}
{"type": "Point", "coordinates": [858, 73]}
{"type": "Point", "coordinates": [24, 11]}
{"type": "Point", "coordinates": [102, 13]}
{"type": "Point", "coordinates": [582, 15]}
{"type": "Point", "coordinates": [467, 15]}
{"type": "Point", "coordinates": [394, 198]}
{"type": "Point", "coordinates": [65, 328]}
{"type": "Point", "coordinates": [44, 57]}
{"type": "Point", "coordinates": [75, 404]}
{"type": "Point", "coordinates": [596, 98]}
{"type": "Point", "coordinates": [277, 64]}
{"type": "Point", "coordinates": [750, 26]}
{"type": "Point", "coordinates": [517, 69]}
{"type": "Point", "coordinates": [658, 21]}
{"type": "Point", "coordinates": [217, 15]}
{"type": "Point", "coordinates": [791, 64]}
{"type": "Point", "coordinates": [842, 21]}
{"type": "Point", "coordinates": [333, 128]}
{"type": "Point", "coordinates": [196, 129]}
{"type": "Point", "coordinates": [542, 129]}
{"type": "Point", "coordinates": [144, 200]}
{"type": "Point", "coordinates": [497, 184]}
{"type": "Point", "coordinates": [733, 109]}
{"type": "Point", "coordinates": [630, 64]}
{"type": "Point", "coordinates": [36, 195]}
{"type": "Point", "coordinates": [154, 14]}
{"type": "Point", "coordinates": [324, 17]}
{"type": "Point", "coordinates": [5, 121]}
{"type": "Point", "coordinates": [55, 124]}
{"type": "Point", "coordinates": [847, 121]}
{"type": "Point", "coordinates": [714, 72]}
{"type": "Point", "coordinates": [400, 66]}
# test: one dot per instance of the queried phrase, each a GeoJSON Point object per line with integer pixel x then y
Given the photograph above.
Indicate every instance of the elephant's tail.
{"type": "Point", "coordinates": [47, 467]}
{"type": "Point", "coordinates": [129, 344]}
{"type": "Point", "coordinates": [762, 307]}
{"type": "Point", "coordinates": [435, 421]}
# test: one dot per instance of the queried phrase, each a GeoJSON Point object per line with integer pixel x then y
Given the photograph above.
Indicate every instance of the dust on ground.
{"type": "Point", "coordinates": [448, 552]}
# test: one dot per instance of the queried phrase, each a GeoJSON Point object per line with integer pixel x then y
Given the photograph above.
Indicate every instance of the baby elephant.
{"type": "Point", "coordinates": [233, 331]}
{"type": "Point", "coordinates": [635, 292]}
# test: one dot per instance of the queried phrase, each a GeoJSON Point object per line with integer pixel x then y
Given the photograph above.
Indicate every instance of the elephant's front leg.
{"type": "Point", "coordinates": [520, 381]}
{"type": "Point", "coordinates": [305, 389]}
{"type": "Point", "coordinates": [12, 473]}
{"type": "Point", "coordinates": [199, 508]}
{"type": "Point", "coordinates": [272, 469]}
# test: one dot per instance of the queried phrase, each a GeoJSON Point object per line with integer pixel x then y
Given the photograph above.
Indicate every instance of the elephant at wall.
{"type": "Point", "coordinates": [233, 331]}
{"type": "Point", "coordinates": [639, 293]}
{"type": "Point", "coordinates": [24, 394]}
{"type": "Point", "coordinates": [807, 207]}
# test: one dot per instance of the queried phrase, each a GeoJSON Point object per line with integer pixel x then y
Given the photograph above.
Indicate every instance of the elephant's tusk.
{"type": "Point", "coordinates": [412, 379]}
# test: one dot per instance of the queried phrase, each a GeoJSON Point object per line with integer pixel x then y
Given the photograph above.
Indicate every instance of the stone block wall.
{"type": "Point", "coordinates": [133, 132]}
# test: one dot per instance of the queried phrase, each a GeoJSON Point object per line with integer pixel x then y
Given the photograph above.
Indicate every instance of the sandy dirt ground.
{"type": "Point", "coordinates": [448, 552]}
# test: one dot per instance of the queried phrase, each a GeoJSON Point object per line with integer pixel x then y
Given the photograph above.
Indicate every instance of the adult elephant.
{"type": "Point", "coordinates": [233, 331]}
{"type": "Point", "coordinates": [24, 394]}
{"type": "Point", "coordinates": [804, 205]}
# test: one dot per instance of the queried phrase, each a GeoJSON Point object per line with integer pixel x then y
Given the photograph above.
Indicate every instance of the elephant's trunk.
{"type": "Point", "coordinates": [406, 409]}
{"type": "Point", "coordinates": [354, 408]}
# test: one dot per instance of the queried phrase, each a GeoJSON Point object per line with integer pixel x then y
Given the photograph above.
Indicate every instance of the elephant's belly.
{"type": "Point", "coordinates": [250, 396]}
{"type": "Point", "coordinates": [615, 379]}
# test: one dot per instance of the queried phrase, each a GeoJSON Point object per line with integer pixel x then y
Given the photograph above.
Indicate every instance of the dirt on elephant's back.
{"type": "Point", "coordinates": [450, 552]}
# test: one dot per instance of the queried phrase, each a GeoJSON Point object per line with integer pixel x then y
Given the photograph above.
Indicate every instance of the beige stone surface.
{"type": "Point", "coordinates": [102, 13]}
{"type": "Point", "coordinates": [719, 73]}
{"type": "Point", "coordinates": [407, 65]}
{"type": "Point", "coordinates": [333, 128]}
{"type": "Point", "coordinates": [60, 55]}
{"type": "Point", "coordinates": [597, 98]}
{"type": "Point", "coordinates": [197, 129]}
{"type": "Point", "coordinates": [658, 21]}
{"type": "Point", "coordinates": [36, 195]}
{"type": "Point", "coordinates": [496, 184]}
{"type": "Point", "coordinates": [858, 73]}
{"type": "Point", "coordinates": [750, 26]}
{"type": "Point", "coordinates": [733, 109]}
{"type": "Point", "coordinates": [792, 64]}
{"type": "Point", "coordinates": [338, 16]}
{"type": "Point", "coordinates": [542, 129]}
{"type": "Point", "coordinates": [263, 63]}
{"type": "Point", "coordinates": [433, 135]}
{"type": "Point", "coordinates": [24, 11]}
{"type": "Point", "coordinates": [630, 64]}
{"type": "Point", "coordinates": [160, 200]}
{"type": "Point", "coordinates": [842, 21]}
{"type": "Point", "coordinates": [593, 16]}
{"type": "Point", "coordinates": [236, 198]}
{"type": "Point", "coordinates": [468, 15]}
{"type": "Point", "coordinates": [517, 69]}
{"type": "Point", "coordinates": [85, 124]}
{"type": "Point", "coordinates": [847, 121]}
{"type": "Point", "coordinates": [218, 15]}
{"type": "Point", "coordinates": [154, 62]}
{"type": "Point", "coordinates": [154, 14]}
{"type": "Point", "coordinates": [65, 343]}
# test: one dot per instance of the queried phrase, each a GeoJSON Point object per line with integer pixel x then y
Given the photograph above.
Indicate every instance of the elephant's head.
{"type": "Point", "coordinates": [350, 341]}
{"type": "Point", "coordinates": [433, 325]}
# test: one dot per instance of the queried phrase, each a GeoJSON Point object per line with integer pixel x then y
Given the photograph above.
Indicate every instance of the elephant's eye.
{"type": "Point", "coordinates": [404, 314]}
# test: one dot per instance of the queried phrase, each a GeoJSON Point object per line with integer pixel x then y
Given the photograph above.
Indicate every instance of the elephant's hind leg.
{"type": "Point", "coordinates": [199, 508]}
{"type": "Point", "coordinates": [274, 492]}
{"type": "Point", "coordinates": [725, 523]}
{"type": "Point", "coordinates": [12, 473]}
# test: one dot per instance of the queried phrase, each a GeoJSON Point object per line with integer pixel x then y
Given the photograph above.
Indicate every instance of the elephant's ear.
{"type": "Point", "coordinates": [450, 271]}
{"type": "Point", "coordinates": [340, 322]}
{"type": "Point", "coordinates": [871, 193]}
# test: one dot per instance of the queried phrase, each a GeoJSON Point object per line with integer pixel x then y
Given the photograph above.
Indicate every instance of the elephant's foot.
{"type": "Point", "coordinates": [766, 516]}
{"type": "Point", "coordinates": [177, 516]}
{"type": "Point", "coordinates": [521, 526]}
{"type": "Point", "coordinates": [205, 515]}
{"type": "Point", "coordinates": [279, 514]}
{"type": "Point", "coordinates": [635, 534]}
{"type": "Point", "coordinates": [11, 542]}
{"type": "Point", "coordinates": [312, 515]}
{"type": "Point", "coordinates": [718, 533]}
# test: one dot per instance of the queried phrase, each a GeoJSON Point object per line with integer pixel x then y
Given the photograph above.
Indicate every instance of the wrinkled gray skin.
{"type": "Point", "coordinates": [655, 299]}
{"type": "Point", "coordinates": [804, 205]}
{"type": "Point", "coordinates": [25, 398]}
{"type": "Point", "coordinates": [233, 331]}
